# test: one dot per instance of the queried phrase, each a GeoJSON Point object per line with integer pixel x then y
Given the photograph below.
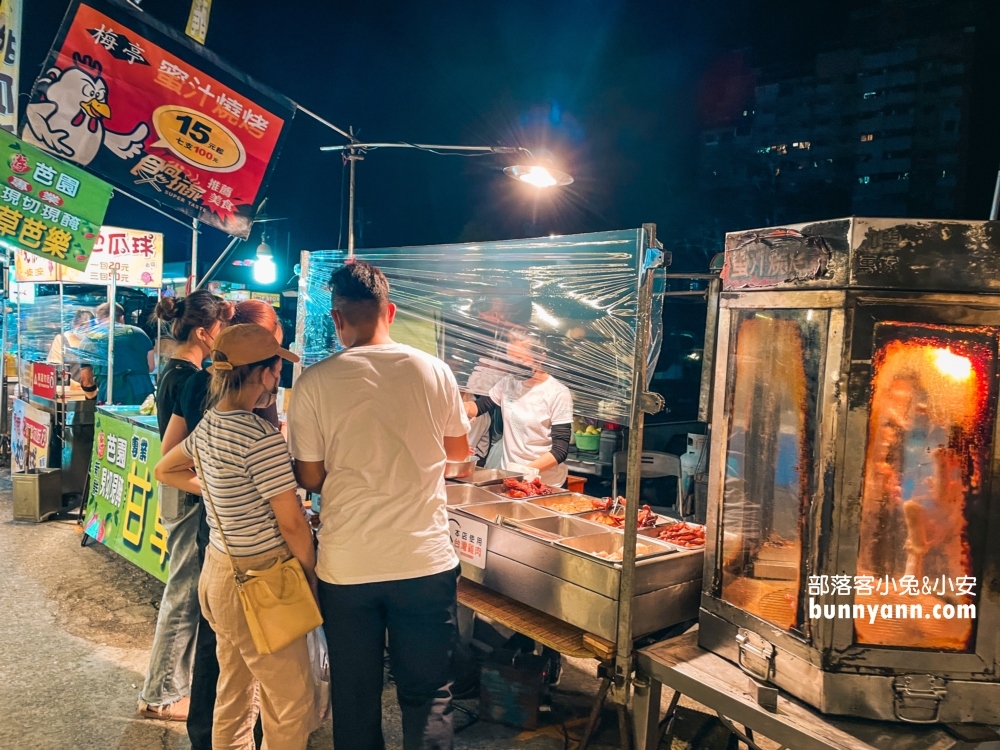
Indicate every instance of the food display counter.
{"type": "Point", "coordinates": [122, 508]}
{"type": "Point", "coordinates": [552, 553]}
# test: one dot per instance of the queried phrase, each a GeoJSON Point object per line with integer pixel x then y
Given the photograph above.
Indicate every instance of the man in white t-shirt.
{"type": "Point", "coordinates": [371, 428]}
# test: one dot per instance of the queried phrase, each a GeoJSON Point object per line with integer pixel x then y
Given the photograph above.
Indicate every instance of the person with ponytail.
{"type": "Point", "coordinates": [194, 322]}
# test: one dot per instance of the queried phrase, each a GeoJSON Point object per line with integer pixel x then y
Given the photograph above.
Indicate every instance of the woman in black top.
{"type": "Point", "coordinates": [195, 322]}
{"type": "Point", "coordinates": [188, 410]}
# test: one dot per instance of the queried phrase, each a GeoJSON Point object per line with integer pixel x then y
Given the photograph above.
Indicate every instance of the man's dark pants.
{"type": "Point", "coordinates": [419, 615]}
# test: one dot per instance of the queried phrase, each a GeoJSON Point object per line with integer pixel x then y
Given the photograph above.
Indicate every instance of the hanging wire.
{"type": "Point", "coordinates": [449, 153]}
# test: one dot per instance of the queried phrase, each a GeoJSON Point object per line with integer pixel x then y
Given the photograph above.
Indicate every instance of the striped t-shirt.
{"type": "Point", "coordinates": [246, 462]}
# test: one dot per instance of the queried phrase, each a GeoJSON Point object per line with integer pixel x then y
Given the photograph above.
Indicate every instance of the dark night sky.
{"type": "Point", "coordinates": [610, 88]}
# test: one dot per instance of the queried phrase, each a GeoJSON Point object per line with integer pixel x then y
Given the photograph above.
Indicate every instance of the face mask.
{"type": "Point", "coordinates": [268, 398]}
{"type": "Point", "coordinates": [518, 370]}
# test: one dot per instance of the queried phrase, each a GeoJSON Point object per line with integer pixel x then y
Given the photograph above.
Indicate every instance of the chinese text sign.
{"type": "Point", "coordinates": [10, 62]}
{"type": "Point", "coordinates": [136, 258]}
{"type": "Point", "coordinates": [158, 115]}
{"type": "Point", "coordinates": [48, 207]}
{"type": "Point", "coordinates": [123, 510]}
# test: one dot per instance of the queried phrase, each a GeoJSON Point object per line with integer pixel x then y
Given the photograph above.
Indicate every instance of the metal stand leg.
{"type": "Point", "coordinates": [667, 725]}
{"type": "Point", "coordinates": [624, 727]}
{"type": "Point", "coordinates": [473, 717]}
{"type": "Point", "coordinates": [646, 708]}
{"type": "Point", "coordinates": [745, 737]}
{"type": "Point", "coordinates": [84, 504]}
{"type": "Point", "coordinates": [595, 713]}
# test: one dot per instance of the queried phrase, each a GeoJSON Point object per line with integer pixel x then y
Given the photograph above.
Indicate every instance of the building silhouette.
{"type": "Point", "coordinates": [896, 118]}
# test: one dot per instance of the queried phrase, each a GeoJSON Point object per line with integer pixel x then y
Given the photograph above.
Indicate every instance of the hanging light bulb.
{"type": "Point", "coordinates": [265, 272]}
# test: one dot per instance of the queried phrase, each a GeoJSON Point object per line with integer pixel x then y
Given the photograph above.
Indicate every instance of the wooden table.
{"type": "Point", "coordinates": [688, 669]}
{"type": "Point", "coordinates": [560, 636]}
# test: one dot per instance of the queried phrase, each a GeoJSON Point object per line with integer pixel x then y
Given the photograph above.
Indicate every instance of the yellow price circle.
{"type": "Point", "coordinates": [198, 139]}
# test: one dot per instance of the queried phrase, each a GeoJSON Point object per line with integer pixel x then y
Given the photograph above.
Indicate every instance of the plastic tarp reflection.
{"type": "Point", "coordinates": [577, 295]}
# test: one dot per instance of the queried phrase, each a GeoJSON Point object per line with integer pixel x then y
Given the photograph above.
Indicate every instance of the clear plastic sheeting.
{"type": "Point", "coordinates": [47, 330]}
{"type": "Point", "coordinates": [575, 296]}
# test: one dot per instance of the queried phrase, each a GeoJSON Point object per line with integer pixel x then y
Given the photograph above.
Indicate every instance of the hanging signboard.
{"type": "Point", "coordinates": [123, 510]}
{"type": "Point", "coordinates": [48, 207]}
{"type": "Point", "coordinates": [10, 62]}
{"type": "Point", "coordinates": [197, 25]}
{"type": "Point", "coordinates": [29, 437]}
{"type": "Point", "coordinates": [136, 256]}
{"type": "Point", "coordinates": [158, 115]}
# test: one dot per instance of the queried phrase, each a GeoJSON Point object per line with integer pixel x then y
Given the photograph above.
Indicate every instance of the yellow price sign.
{"type": "Point", "coordinates": [198, 139]}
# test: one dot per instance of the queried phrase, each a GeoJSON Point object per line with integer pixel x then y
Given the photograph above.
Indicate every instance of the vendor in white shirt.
{"type": "Point", "coordinates": [537, 411]}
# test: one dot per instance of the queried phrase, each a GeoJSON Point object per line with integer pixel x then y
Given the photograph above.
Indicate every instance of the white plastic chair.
{"type": "Point", "coordinates": [654, 466]}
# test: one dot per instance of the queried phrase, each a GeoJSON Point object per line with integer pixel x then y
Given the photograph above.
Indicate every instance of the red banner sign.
{"type": "Point", "coordinates": [140, 105]}
{"type": "Point", "coordinates": [43, 380]}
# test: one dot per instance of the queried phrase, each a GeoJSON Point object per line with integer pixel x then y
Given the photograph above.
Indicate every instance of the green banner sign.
{"type": "Point", "coordinates": [123, 509]}
{"type": "Point", "coordinates": [48, 207]}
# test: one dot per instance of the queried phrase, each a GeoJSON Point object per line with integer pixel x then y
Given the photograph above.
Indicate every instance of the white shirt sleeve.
{"type": "Point", "coordinates": [305, 435]}
{"type": "Point", "coordinates": [562, 406]}
{"type": "Point", "coordinates": [498, 389]}
{"type": "Point", "coordinates": [456, 422]}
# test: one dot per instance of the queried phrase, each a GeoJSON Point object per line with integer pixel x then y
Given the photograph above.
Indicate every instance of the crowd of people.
{"type": "Point", "coordinates": [369, 429]}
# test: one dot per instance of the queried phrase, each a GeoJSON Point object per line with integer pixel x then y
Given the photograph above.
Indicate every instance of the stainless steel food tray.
{"type": "Point", "coordinates": [484, 477]}
{"type": "Point", "coordinates": [613, 542]}
{"type": "Point", "coordinates": [559, 574]}
{"type": "Point", "coordinates": [548, 501]}
{"type": "Point", "coordinates": [497, 489]}
{"type": "Point", "coordinates": [467, 494]}
{"type": "Point", "coordinates": [592, 515]}
{"type": "Point", "coordinates": [508, 509]}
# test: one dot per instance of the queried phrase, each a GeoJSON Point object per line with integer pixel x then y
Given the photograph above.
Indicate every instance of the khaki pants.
{"type": "Point", "coordinates": [282, 680]}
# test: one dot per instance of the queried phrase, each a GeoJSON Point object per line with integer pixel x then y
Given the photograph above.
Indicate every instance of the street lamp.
{"type": "Point", "coordinates": [265, 272]}
{"type": "Point", "coordinates": [531, 172]}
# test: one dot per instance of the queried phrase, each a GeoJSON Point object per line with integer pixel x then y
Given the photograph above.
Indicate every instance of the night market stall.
{"type": "Point", "coordinates": [852, 492]}
{"type": "Point", "coordinates": [593, 304]}
{"type": "Point", "coordinates": [53, 322]}
{"type": "Point", "coordinates": [51, 213]}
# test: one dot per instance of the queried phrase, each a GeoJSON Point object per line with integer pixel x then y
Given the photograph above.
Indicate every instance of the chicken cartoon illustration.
{"type": "Point", "coordinates": [69, 121]}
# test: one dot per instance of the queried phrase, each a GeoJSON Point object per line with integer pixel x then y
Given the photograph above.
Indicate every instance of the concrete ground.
{"type": "Point", "coordinates": [76, 625]}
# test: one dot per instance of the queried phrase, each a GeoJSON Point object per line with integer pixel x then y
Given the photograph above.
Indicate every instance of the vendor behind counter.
{"type": "Point", "coordinates": [537, 410]}
{"type": "Point", "coordinates": [133, 360]}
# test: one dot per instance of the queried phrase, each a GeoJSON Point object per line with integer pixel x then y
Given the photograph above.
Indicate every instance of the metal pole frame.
{"type": "Point", "coordinates": [62, 417]}
{"type": "Point", "coordinates": [5, 385]}
{"type": "Point", "coordinates": [642, 403]}
{"type": "Point", "coordinates": [159, 332]}
{"type": "Point", "coordinates": [112, 321]}
{"type": "Point", "coordinates": [708, 351]}
{"type": "Point", "coordinates": [995, 209]}
{"type": "Point", "coordinates": [193, 278]}
{"type": "Point", "coordinates": [353, 158]}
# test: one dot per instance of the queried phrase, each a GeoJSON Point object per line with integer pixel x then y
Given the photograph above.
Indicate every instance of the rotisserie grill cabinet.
{"type": "Point", "coordinates": [853, 497]}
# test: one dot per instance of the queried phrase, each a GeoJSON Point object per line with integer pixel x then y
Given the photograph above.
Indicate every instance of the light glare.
{"type": "Point", "coordinates": [539, 177]}
{"type": "Point", "coordinates": [953, 365]}
{"type": "Point", "coordinates": [264, 271]}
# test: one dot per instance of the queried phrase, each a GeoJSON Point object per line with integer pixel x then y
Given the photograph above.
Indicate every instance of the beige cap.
{"type": "Point", "coordinates": [245, 344]}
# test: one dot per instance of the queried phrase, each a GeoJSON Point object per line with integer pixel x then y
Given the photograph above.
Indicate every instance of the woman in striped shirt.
{"type": "Point", "coordinates": [248, 477]}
